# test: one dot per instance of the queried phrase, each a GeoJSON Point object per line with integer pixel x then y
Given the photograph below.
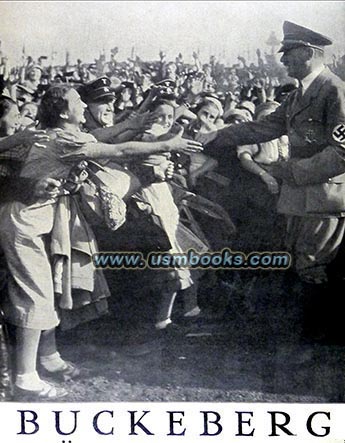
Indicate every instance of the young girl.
{"type": "Point", "coordinates": [156, 198]}
{"type": "Point", "coordinates": [209, 118]}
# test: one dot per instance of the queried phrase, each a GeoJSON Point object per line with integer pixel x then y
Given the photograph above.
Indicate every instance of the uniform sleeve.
{"type": "Point", "coordinates": [330, 162]}
{"type": "Point", "coordinates": [271, 127]}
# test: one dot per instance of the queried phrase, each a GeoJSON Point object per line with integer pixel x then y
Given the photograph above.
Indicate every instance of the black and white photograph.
{"type": "Point", "coordinates": [172, 217]}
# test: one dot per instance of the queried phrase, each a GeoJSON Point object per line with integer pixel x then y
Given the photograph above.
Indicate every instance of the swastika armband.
{"type": "Point", "coordinates": [338, 133]}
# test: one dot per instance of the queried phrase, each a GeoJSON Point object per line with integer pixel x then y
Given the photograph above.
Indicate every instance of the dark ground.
{"type": "Point", "coordinates": [254, 353]}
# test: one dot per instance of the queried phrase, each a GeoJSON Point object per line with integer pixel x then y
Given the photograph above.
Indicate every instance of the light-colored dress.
{"type": "Point", "coordinates": [159, 197]}
{"type": "Point", "coordinates": [25, 239]}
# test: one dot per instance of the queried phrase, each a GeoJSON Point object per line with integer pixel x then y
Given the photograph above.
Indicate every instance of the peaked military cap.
{"type": "Point", "coordinates": [296, 35]}
{"type": "Point", "coordinates": [166, 87]}
{"type": "Point", "coordinates": [167, 83]}
{"type": "Point", "coordinates": [127, 84]}
{"type": "Point", "coordinates": [199, 75]}
{"type": "Point", "coordinates": [96, 90]}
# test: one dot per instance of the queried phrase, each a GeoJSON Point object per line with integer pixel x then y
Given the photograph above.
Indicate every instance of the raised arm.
{"type": "Point", "coordinates": [269, 128]}
{"type": "Point", "coordinates": [135, 123]}
{"type": "Point", "coordinates": [26, 137]}
{"type": "Point", "coordinates": [133, 148]}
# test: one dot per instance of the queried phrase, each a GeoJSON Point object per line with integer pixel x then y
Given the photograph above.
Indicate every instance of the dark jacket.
{"type": "Point", "coordinates": [314, 178]}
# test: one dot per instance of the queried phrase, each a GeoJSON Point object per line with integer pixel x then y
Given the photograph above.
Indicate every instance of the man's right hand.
{"type": "Point", "coordinates": [179, 144]}
{"type": "Point", "coordinates": [206, 137]}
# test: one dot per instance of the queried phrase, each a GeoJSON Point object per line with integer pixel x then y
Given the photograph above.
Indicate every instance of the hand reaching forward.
{"type": "Point", "coordinates": [30, 136]}
{"type": "Point", "coordinates": [179, 144]}
{"type": "Point", "coordinates": [205, 137]}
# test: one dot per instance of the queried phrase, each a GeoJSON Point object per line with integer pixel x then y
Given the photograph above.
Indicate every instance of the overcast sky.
{"type": "Point", "coordinates": [229, 28]}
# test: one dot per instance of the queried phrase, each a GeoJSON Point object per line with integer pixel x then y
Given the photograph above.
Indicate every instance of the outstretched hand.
{"type": "Point", "coordinates": [206, 137]}
{"type": "Point", "coordinates": [31, 135]}
{"type": "Point", "coordinates": [141, 122]}
{"type": "Point", "coordinates": [179, 144]}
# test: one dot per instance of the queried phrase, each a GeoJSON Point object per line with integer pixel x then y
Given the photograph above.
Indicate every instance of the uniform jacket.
{"type": "Point", "coordinates": [314, 124]}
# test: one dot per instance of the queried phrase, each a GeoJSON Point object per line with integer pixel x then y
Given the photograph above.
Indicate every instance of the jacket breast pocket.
{"type": "Point", "coordinates": [311, 130]}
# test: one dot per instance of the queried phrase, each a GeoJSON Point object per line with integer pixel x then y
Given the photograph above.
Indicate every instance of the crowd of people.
{"type": "Point", "coordinates": [111, 156]}
{"type": "Point", "coordinates": [236, 91]}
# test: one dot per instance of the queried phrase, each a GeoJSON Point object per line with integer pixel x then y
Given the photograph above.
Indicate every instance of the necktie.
{"type": "Point", "coordinates": [299, 92]}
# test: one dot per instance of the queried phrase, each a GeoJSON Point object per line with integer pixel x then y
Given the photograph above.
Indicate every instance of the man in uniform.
{"type": "Point", "coordinates": [100, 100]}
{"type": "Point", "coordinates": [313, 180]}
{"type": "Point", "coordinates": [100, 118]}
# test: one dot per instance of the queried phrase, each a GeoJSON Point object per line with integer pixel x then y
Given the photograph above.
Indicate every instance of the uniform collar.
{"type": "Point", "coordinates": [308, 80]}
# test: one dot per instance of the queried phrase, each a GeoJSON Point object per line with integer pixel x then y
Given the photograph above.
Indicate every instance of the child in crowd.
{"type": "Point", "coordinates": [155, 197]}
{"type": "Point", "coordinates": [209, 118]}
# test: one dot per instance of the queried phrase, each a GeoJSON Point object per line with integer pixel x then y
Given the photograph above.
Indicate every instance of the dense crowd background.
{"type": "Point", "coordinates": [240, 89]}
{"type": "Point", "coordinates": [242, 78]}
